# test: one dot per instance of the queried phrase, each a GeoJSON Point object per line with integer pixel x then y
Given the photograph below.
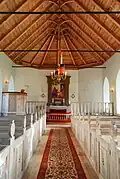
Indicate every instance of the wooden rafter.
{"type": "Point", "coordinates": [88, 37]}
{"type": "Point", "coordinates": [100, 24]}
{"type": "Point", "coordinates": [32, 35]}
{"type": "Point", "coordinates": [69, 52]}
{"type": "Point", "coordinates": [41, 46]}
{"type": "Point", "coordinates": [80, 55]}
{"type": "Point", "coordinates": [109, 16]}
{"type": "Point", "coordinates": [26, 31]}
{"type": "Point", "coordinates": [90, 29]}
{"type": "Point", "coordinates": [23, 21]}
{"type": "Point", "coordinates": [1, 1]}
{"type": "Point", "coordinates": [34, 46]}
{"type": "Point", "coordinates": [8, 15]}
{"type": "Point", "coordinates": [29, 47]}
{"type": "Point", "coordinates": [18, 23]}
{"type": "Point", "coordinates": [49, 45]}
{"type": "Point", "coordinates": [88, 46]}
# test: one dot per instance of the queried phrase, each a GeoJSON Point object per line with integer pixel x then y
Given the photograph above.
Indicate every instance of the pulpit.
{"type": "Point", "coordinates": [13, 103]}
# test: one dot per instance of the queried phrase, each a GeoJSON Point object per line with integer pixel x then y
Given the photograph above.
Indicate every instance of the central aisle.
{"type": "Point", "coordinates": [59, 156]}
{"type": "Point", "coordinates": [60, 159]}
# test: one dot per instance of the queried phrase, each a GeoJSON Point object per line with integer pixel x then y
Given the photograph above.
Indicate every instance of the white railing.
{"type": "Point", "coordinates": [32, 106]}
{"type": "Point", "coordinates": [99, 136]}
{"type": "Point", "coordinates": [92, 108]}
{"type": "Point", "coordinates": [16, 151]}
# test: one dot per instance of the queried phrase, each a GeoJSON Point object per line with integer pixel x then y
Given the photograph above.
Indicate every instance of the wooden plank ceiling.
{"type": "Point", "coordinates": [59, 31]}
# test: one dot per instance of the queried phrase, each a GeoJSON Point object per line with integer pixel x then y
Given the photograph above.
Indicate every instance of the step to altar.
{"type": "Point", "coordinates": [59, 114]}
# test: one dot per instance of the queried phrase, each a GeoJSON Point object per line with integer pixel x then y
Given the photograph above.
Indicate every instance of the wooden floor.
{"type": "Point", "coordinates": [34, 165]}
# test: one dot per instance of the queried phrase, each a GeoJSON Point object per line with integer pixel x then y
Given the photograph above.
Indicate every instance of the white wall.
{"type": "Point", "coordinates": [35, 83]}
{"type": "Point", "coordinates": [90, 85]}
{"type": "Point", "coordinates": [112, 68]}
{"type": "Point", "coordinates": [6, 68]}
{"type": "Point", "coordinates": [5, 73]}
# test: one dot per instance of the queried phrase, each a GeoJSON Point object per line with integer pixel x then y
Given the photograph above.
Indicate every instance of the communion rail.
{"type": "Point", "coordinates": [92, 108]}
{"type": "Point", "coordinates": [16, 151]}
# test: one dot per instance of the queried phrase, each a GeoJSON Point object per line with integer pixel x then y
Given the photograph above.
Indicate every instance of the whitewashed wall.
{"type": "Point", "coordinates": [6, 72]}
{"type": "Point", "coordinates": [6, 68]}
{"type": "Point", "coordinates": [112, 68]}
{"type": "Point", "coordinates": [90, 85]}
{"type": "Point", "coordinates": [35, 83]}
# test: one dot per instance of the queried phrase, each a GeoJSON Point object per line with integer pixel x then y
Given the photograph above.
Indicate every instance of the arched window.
{"type": "Point", "coordinates": [118, 93]}
{"type": "Point", "coordinates": [11, 84]}
{"type": "Point", "coordinates": [106, 91]}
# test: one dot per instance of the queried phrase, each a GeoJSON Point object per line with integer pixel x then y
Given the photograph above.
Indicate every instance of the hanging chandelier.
{"type": "Point", "coordinates": [59, 74]}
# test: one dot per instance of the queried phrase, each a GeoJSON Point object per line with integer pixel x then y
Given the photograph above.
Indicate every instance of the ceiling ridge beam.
{"type": "Point", "coordinates": [41, 46]}
{"type": "Point", "coordinates": [36, 41]}
{"type": "Point", "coordinates": [88, 46]}
{"type": "Point", "coordinates": [90, 39]}
{"type": "Point", "coordinates": [49, 45]}
{"type": "Point", "coordinates": [80, 55]}
{"type": "Point", "coordinates": [83, 22]}
{"type": "Point", "coordinates": [18, 23]}
{"type": "Point", "coordinates": [73, 61]}
{"type": "Point", "coordinates": [99, 23]}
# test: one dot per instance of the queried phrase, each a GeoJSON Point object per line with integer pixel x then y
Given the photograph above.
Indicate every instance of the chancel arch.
{"type": "Point", "coordinates": [118, 92]}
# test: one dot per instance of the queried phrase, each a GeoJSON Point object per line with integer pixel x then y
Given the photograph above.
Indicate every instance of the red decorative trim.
{"type": "Point", "coordinates": [77, 162]}
{"type": "Point", "coordinates": [64, 121]}
{"type": "Point", "coordinates": [44, 162]}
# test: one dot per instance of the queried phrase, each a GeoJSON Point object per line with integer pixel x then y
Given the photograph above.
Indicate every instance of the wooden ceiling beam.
{"type": "Point", "coordinates": [67, 66]}
{"type": "Point", "coordinates": [32, 35]}
{"type": "Point", "coordinates": [90, 29]}
{"type": "Point", "coordinates": [88, 46]}
{"type": "Point", "coordinates": [41, 46]}
{"type": "Point", "coordinates": [80, 55]}
{"type": "Point", "coordinates": [100, 24]}
{"type": "Point", "coordinates": [73, 61]}
{"type": "Point", "coordinates": [49, 45]}
{"type": "Point", "coordinates": [88, 37]}
{"type": "Point", "coordinates": [8, 15]}
{"type": "Point", "coordinates": [36, 41]}
{"type": "Point", "coordinates": [2, 36]}
{"type": "Point", "coordinates": [26, 31]}
{"type": "Point", "coordinates": [110, 16]}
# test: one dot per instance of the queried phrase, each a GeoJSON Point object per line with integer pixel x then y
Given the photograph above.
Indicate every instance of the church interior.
{"type": "Point", "coordinates": [59, 89]}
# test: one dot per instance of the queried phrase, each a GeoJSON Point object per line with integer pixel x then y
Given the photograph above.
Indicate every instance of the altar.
{"type": "Point", "coordinates": [58, 94]}
{"type": "Point", "coordinates": [58, 108]}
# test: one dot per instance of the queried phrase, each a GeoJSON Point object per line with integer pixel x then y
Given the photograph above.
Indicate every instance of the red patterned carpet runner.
{"type": "Point", "coordinates": [60, 159]}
